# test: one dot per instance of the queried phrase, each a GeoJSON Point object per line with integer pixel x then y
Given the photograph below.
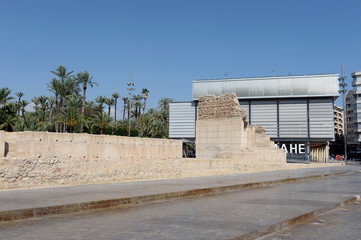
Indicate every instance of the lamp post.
{"type": "Point", "coordinates": [130, 88]}
{"type": "Point", "coordinates": [342, 90]}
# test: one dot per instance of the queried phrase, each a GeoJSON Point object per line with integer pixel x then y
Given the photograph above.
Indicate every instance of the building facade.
{"type": "Point", "coordinates": [296, 111]}
{"type": "Point", "coordinates": [338, 120]}
{"type": "Point", "coordinates": [337, 146]}
{"type": "Point", "coordinates": [353, 116]}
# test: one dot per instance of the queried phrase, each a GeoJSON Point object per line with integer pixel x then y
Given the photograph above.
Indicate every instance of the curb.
{"type": "Point", "coordinates": [19, 214]}
{"type": "Point", "coordinates": [296, 220]}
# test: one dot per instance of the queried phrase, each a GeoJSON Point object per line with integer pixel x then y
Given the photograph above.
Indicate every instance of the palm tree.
{"type": "Point", "coordinates": [8, 116]}
{"type": "Point", "coordinates": [23, 104]}
{"type": "Point", "coordinates": [145, 93]}
{"type": "Point", "coordinates": [19, 95]}
{"type": "Point", "coordinates": [62, 73]}
{"type": "Point", "coordinates": [74, 101]}
{"type": "Point", "coordinates": [152, 111]}
{"type": "Point", "coordinates": [4, 95]}
{"type": "Point", "coordinates": [145, 125]}
{"type": "Point", "coordinates": [110, 102]}
{"type": "Point", "coordinates": [43, 102]}
{"type": "Point", "coordinates": [125, 106]}
{"type": "Point", "coordinates": [90, 108]}
{"type": "Point", "coordinates": [137, 103]}
{"type": "Point", "coordinates": [115, 97]}
{"type": "Point", "coordinates": [53, 87]}
{"type": "Point", "coordinates": [71, 87]}
{"type": "Point", "coordinates": [70, 116]}
{"type": "Point", "coordinates": [36, 102]}
{"type": "Point", "coordinates": [85, 79]}
{"type": "Point", "coordinates": [160, 129]}
{"type": "Point", "coordinates": [163, 107]}
{"type": "Point", "coordinates": [64, 85]}
{"type": "Point", "coordinates": [51, 104]}
{"type": "Point", "coordinates": [101, 120]}
{"type": "Point", "coordinates": [100, 100]}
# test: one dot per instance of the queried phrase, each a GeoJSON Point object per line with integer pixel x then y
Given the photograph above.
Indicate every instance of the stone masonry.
{"type": "Point", "coordinates": [33, 159]}
{"type": "Point", "coordinates": [220, 107]}
{"type": "Point", "coordinates": [222, 133]}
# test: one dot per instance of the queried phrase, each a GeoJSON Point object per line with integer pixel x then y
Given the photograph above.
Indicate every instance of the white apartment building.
{"type": "Point", "coordinates": [338, 120]}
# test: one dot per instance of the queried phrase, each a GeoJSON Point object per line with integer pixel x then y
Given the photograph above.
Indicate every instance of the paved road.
{"type": "Point", "coordinates": [341, 223]}
{"type": "Point", "coordinates": [32, 198]}
{"type": "Point", "coordinates": [219, 216]}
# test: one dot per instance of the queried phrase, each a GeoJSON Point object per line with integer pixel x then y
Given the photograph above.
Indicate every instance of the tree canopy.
{"type": "Point", "coordinates": [67, 109]}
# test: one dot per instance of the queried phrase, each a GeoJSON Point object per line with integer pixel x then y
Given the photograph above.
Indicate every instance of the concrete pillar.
{"type": "Point", "coordinates": [327, 151]}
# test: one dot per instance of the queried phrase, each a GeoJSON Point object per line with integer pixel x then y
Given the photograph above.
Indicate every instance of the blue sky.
{"type": "Point", "coordinates": [167, 44]}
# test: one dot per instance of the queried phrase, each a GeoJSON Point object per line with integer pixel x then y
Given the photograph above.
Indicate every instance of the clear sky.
{"type": "Point", "coordinates": [167, 44]}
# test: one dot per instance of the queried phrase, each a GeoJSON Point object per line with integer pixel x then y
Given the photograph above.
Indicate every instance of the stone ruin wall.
{"type": "Point", "coordinates": [85, 146]}
{"type": "Point", "coordinates": [33, 159]}
{"type": "Point", "coordinates": [222, 131]}
{"type": "Point", "coordinates": [219, 107]}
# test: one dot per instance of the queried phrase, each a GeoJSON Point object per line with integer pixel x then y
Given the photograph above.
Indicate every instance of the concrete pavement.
{"type": "Point", "coordinates": [28, 203]}
{"type": "Point", "coordinates": [245, 214]}
{"type": "Point", "coordinates": [340, 223]}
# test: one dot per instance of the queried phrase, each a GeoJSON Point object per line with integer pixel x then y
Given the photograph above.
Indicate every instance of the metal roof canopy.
{"type": "Point", "coordinates": [324, 85]}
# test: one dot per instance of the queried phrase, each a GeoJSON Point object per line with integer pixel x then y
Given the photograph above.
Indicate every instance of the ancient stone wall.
{"type": "Point", "coordinates": [41, 167]}
{"type": "Point", "coordinates": [224, 106]}
{"type": "Point", "coordinates": [41, 159]}
{"type": "Point", "coordinates": [41, 172]}
{"type": "Point", "coordinates": [86, 146]}
{"type": "Point", "coordinates": [222, 132]}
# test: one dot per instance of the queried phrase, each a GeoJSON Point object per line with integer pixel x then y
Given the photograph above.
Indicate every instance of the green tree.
{"type": "Point", "coordinates": [36, 102]}
{"type": "Point", "coordinates": [137, 104]}
{"type": "Point", "coordinates": [64, 85]}
{"type": "Point", "coordinates": [145, 93]}
{"type": "Point", "coordinates": [110, 102]}
{"type": "Point", "coordinates": [54, 87]}
{"type": "Point", "coordinates": [125, 106]}
{"type": "Point", "coordinates": [85, 80]}
{"type": "Point", "coordinates": [101, 121]}
{"type": "Point", "coordinates": [23, 104]}
{"type": "Point", "coordinates": [19, 95]}
{"type": "Point", "coordinates": [100, 100]}
{"type": "Point", "coordinates": [71, 116]}
{"type": "Point", "coordinates": [43, 102]}
{"type": "Point", "coordinates": [163, 107]}
{"type": "Point", "coordinates": [115, 97]}
{"type": "Point", "coordinates": [62, 73]}
{"type": "Point", "coordinates": [4, 95]}
{"type": "Point", "coordinates": [8, 116]}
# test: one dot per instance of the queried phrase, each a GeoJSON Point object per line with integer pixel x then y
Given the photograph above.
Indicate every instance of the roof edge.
{"type": "Point", "coordinates": [269, 77]}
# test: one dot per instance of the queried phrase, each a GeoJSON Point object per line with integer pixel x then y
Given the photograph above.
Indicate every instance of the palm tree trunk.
{"type": "Point", "coordinates": [145, 104]}
{"type": "Point", "coordinates": [124, 112]}
{"type": "Point", "coordinates": [84, 97]}
{"type": "Point", "coordinates": [115, 110]}
{"type": "Point", "coordinates": [128, 111]}
{"type": "Point", "coordinates": [83, 108]}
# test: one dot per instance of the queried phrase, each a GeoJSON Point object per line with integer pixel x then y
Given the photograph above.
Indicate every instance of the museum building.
{"type": "Point", "coordinates": [297, 112]}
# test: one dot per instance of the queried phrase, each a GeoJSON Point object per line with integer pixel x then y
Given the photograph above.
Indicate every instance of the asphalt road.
{"type": "Point", "coordinates": [341, 223]}
{"type": "Point", "coordinates": [219, 216]}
